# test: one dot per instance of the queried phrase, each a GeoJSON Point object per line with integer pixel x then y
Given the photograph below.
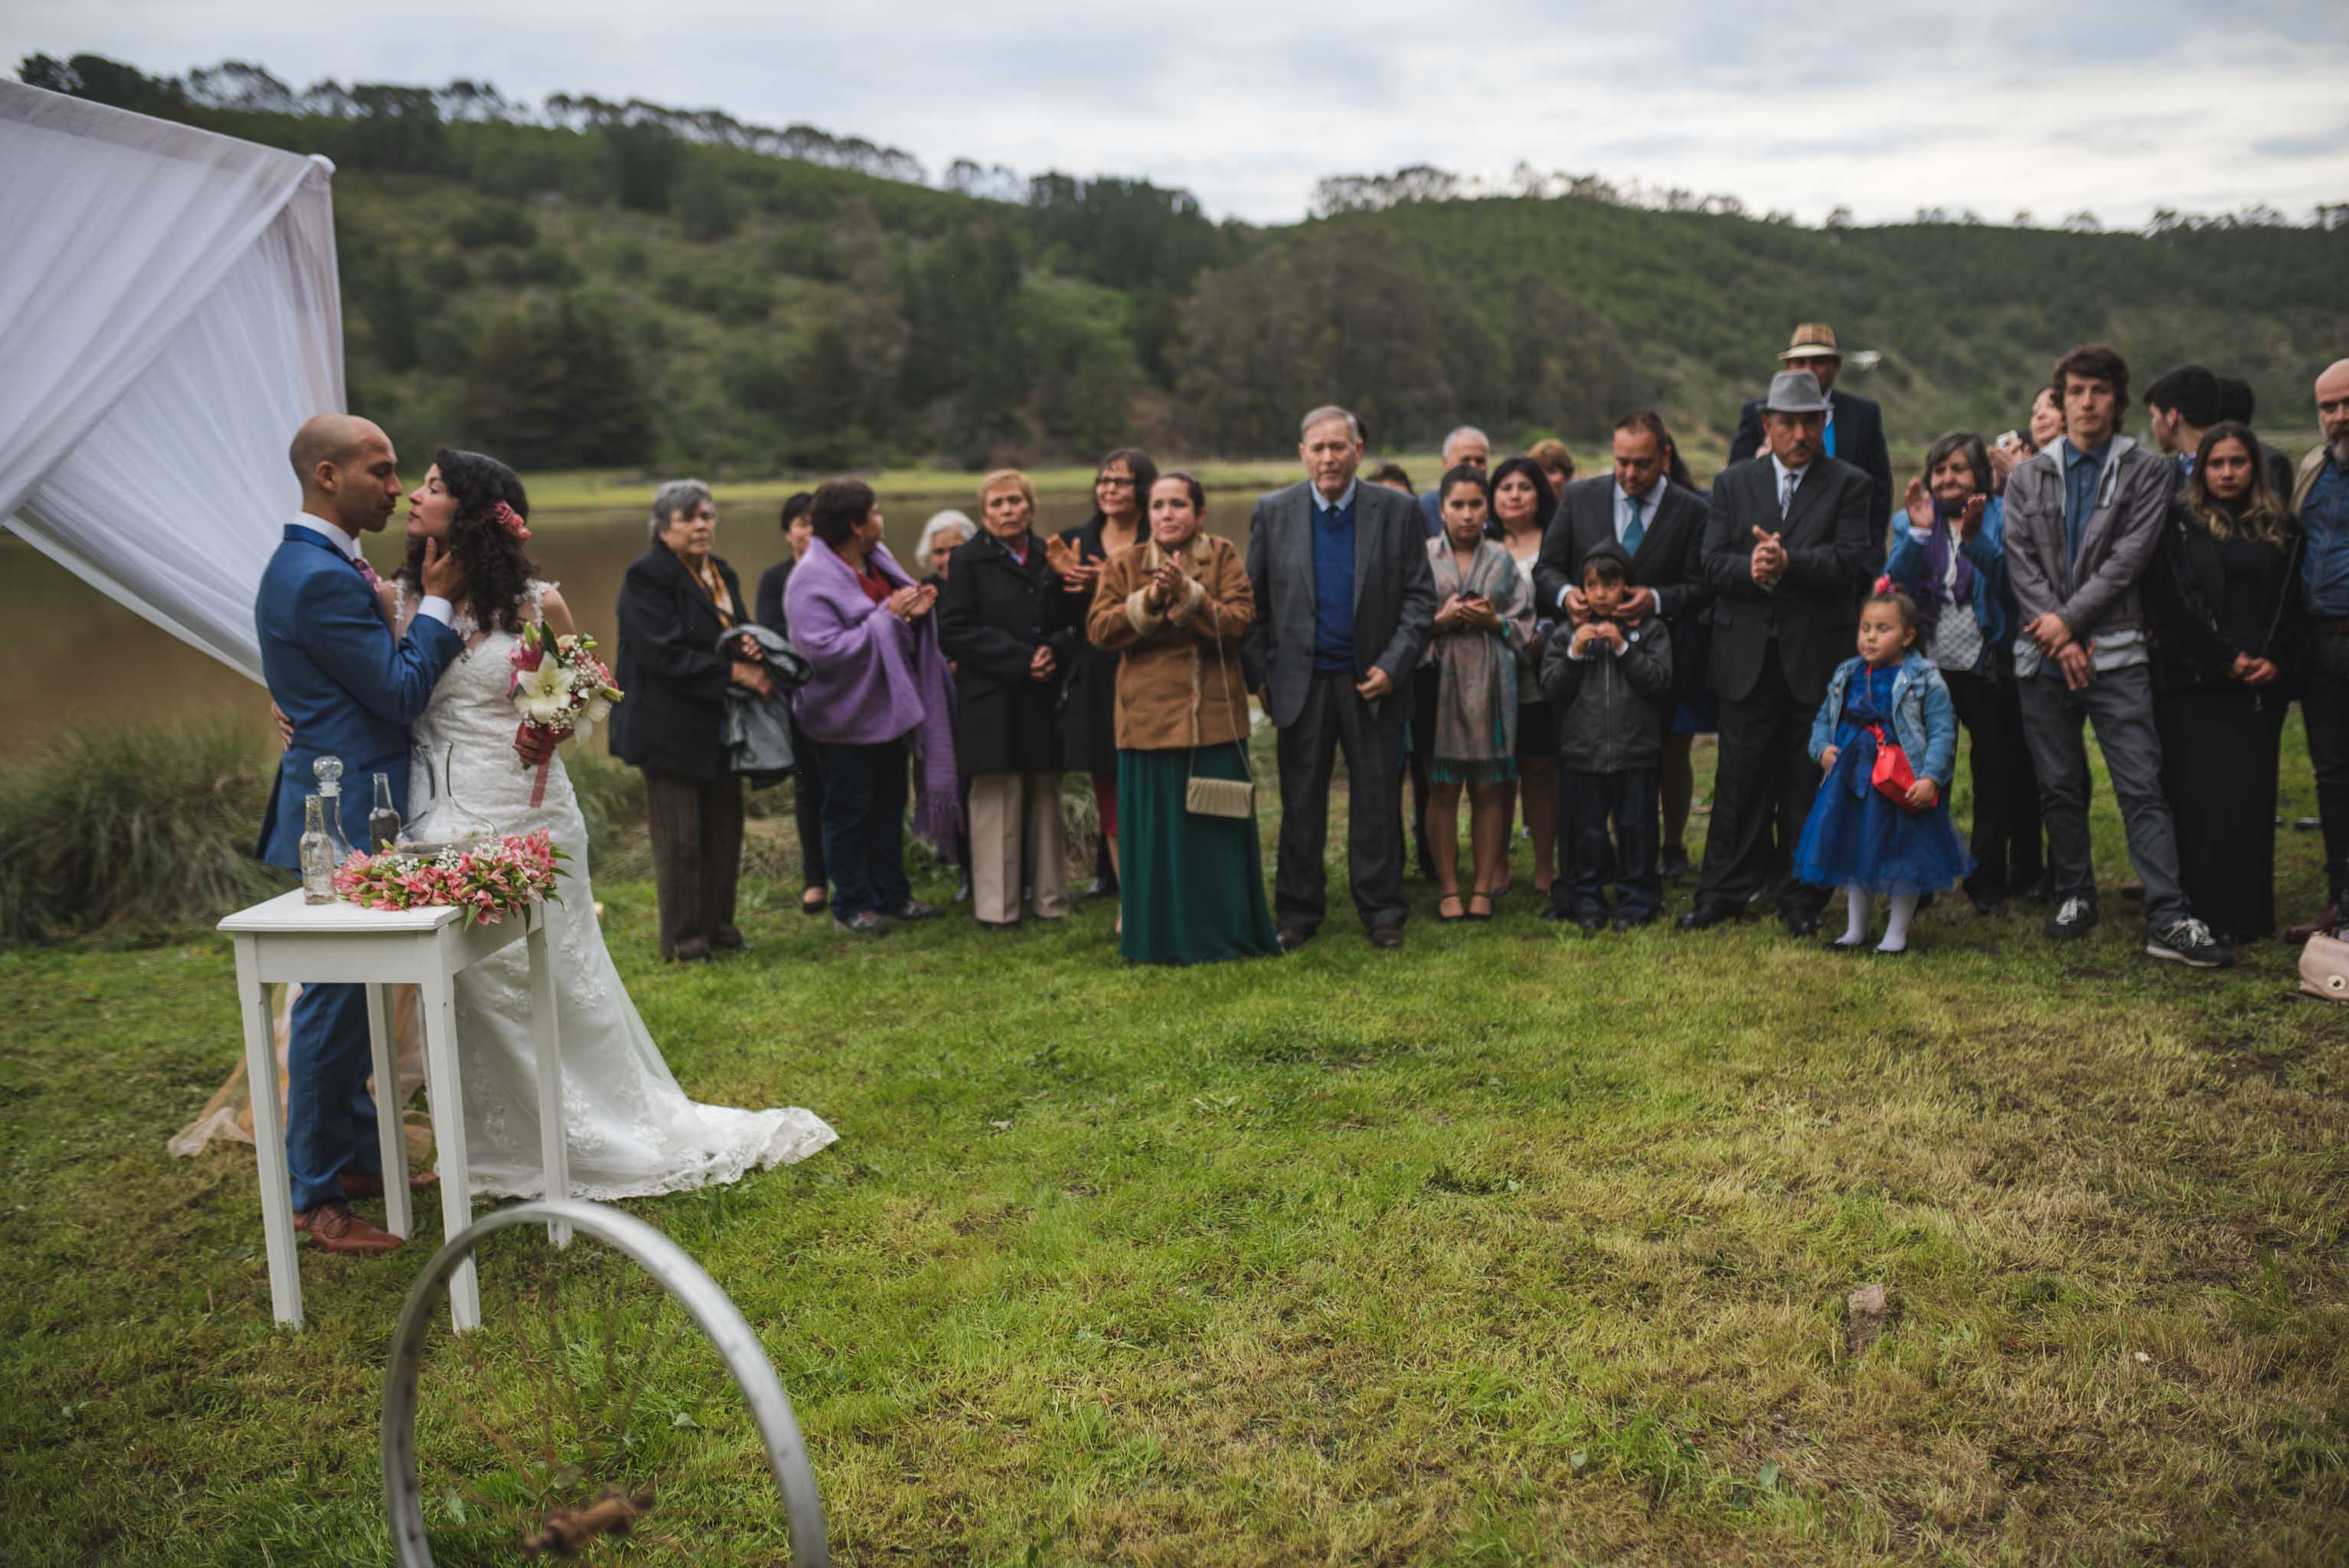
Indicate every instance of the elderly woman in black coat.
{"type": "Point", "coordinates": [676, 602]}
{"type": "Point", "coordinates": [1001, 621]}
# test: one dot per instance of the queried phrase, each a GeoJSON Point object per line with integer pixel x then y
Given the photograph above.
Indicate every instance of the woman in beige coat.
{"type": "Point", "coordinates": [1173, 607]}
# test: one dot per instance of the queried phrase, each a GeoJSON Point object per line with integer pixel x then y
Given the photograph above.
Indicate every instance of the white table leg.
{"type": "Point", "coordinates": [554, 1153]}
{"type": "Point", "coordinates": [391, 1140]}
{"type": "Point", "coordinates": [445, 1085]}
{"type": "Point", "coordinates": [269, 1139]}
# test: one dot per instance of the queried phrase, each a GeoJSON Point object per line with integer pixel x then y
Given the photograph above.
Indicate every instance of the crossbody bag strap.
{"type": "Point", "coordinates": [1231, 706]}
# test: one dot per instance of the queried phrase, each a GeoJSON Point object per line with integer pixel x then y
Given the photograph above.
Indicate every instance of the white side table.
{"type": "Point", "coordinates": [322, 944]}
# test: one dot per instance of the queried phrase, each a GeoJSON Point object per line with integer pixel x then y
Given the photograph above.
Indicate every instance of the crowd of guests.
{"type": "Point", "coordinates": [1532, 642]}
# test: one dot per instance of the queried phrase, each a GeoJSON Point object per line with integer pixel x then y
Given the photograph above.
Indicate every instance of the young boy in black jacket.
{"type": "Point", "coordinates": [1611, 686]}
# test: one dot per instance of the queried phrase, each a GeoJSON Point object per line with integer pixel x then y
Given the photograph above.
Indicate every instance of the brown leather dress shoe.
{"type": "Point", "coordinates": [2330, 921]}
{"type": "Point", "coordinates": [332, 1228]}
{"type": "Point", "coordinates": [369, 1183]}
{"type": "Point", "coordinates": [1389, 936]}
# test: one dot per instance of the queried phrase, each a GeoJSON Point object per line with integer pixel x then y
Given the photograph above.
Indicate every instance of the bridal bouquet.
{"type": "Point", "coordinates": [488, 881]}
{"type": "Point", "coordinates": [560, 688]}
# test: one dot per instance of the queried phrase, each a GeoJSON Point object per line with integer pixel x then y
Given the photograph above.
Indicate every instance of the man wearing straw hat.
{"type": "Point", "coordinates": [1855, 429]}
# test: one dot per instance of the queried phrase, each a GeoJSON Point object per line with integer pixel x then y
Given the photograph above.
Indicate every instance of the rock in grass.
{"type": "Point", "coordinates": [1868, 1310]}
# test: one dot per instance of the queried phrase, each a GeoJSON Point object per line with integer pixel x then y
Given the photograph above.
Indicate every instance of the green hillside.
{"type": "Point", "coordinates": [598, 284]}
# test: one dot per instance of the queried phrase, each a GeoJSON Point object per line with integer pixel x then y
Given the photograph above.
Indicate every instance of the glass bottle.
{"type": "Point", "coordinates": [317, 852]}
{"type": "Point", "coordinates": [383, 822]}
{"type": "Point", "coordinates": [329, 771]}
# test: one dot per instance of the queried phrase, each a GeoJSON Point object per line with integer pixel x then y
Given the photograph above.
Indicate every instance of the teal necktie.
{"type": "Point", "coordinates": [1635, 530]}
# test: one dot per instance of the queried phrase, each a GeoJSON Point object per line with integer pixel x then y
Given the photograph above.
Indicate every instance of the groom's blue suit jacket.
{"type": "Point", "coordinates": [350, 687]}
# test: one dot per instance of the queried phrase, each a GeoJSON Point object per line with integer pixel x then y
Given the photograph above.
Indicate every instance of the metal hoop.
{"type": "Point", "coordinates": [685, 1280]}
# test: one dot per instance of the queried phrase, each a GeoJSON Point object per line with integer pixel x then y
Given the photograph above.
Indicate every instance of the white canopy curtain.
{"type": "Point", "coordinates": [169, 316]}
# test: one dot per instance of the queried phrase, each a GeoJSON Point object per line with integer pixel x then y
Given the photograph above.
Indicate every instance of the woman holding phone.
{"type": "Point", "coordinates": [1171, 609]}
{"type": "Point", "coordinates": [1483, 622]}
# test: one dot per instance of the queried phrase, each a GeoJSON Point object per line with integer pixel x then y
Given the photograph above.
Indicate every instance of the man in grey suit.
{"type": "Point", "coordinates": [1345, 605]}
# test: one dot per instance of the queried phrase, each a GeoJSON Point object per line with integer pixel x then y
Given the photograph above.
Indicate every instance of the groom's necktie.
{"type": "Point", "coordinates": [374, 582]}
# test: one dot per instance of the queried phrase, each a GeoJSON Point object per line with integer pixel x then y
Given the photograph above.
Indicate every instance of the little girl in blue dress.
{"type": "Point", "coordinates": [1856, 838]}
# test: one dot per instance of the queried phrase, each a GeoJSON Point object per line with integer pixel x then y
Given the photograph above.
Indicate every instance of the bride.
{"type": "Point", "coordinates": [632, 1132]}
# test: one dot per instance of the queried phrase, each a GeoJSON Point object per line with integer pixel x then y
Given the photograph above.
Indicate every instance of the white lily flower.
{"type": "Point", "coordinates": [543, 694]}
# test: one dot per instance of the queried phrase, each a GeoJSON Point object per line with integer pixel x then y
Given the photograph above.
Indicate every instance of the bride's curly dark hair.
{"type": "Point", "coordinates": [496, 569]}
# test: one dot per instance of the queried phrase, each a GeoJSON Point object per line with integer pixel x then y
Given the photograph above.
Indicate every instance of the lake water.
{"type": "Point", "coordinates": [77, 657]}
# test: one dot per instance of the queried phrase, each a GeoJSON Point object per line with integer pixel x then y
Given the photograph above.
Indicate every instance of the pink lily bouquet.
{"type": "Point", "coordinates": [488, 881]}
{"type": "Point", "coordinates": [560, 688]}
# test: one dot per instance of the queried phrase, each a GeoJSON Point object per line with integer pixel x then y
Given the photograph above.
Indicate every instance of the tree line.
{"type": "Point", "coordinates": [617, 283]}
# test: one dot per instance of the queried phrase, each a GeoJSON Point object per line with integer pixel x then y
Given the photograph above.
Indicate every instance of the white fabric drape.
{"type": "Point", "coordinates": [169, 314]}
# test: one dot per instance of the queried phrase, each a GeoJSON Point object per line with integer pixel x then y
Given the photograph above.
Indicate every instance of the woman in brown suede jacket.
{"type": "Point", "coordinates": [1173, 607]}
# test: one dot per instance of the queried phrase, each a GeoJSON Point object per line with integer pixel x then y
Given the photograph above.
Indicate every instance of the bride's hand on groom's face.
{"type": "Point", "coordinates": [443, 578]}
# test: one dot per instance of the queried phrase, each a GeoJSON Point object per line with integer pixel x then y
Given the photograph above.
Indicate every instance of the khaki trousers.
{"type": "Point", "coordinates": [1018, 836]}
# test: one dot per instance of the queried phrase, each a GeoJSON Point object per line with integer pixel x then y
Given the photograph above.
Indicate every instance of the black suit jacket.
{"type": "Point", "coordinates": [1859, 441]}
{"type": "Point", "coordinates": [769, 612]}
{"type": "Point", "coordinates": [1809, 619]}
{"type": "Point", "coordinates": [673, 718]}
{"type": "Point", "coordinates": [1394, 592]}
{"type": "Point", "coordinates": [1670, 561]}
{"type": "Point", "coordinates": [993, 615]}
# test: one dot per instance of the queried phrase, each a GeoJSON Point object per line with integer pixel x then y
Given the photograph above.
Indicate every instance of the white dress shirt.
{"type": "Point", "coordinates": [432, 604]}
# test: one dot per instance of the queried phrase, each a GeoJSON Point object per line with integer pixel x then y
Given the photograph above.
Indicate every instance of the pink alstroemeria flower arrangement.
{"type": "Point", "coordinates": [559, 688]}
{"type": "Point", "coordinates": [489, 882]}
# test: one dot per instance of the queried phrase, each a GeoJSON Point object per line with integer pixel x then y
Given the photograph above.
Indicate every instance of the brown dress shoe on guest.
{"type": "Point", "coordinates": [1389, 936]}
{"type": "Point", "coordinates": [2328, 923]}
{"type": "Point", "coordinates": [369, 1183]}
{"type": "Point", "coordinates": [332, 1228]}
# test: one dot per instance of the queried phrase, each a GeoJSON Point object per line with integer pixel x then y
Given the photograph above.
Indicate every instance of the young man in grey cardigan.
{"type": "Point", "coordinates": [2083, 518]}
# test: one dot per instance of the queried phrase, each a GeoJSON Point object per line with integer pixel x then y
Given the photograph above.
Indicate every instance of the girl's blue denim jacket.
{"type": "Point", "coordinates": [1924, 720]}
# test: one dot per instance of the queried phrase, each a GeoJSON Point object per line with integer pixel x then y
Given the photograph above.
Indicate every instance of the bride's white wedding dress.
{"type": "Point", "coordinates": [632, 1132]}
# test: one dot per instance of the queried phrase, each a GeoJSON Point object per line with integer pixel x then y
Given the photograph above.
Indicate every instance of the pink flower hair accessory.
{"type": "Point", "coordinates": [507, 518]}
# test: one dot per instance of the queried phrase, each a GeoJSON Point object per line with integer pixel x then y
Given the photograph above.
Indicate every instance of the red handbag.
{"type": "Point", "coordinates": [1892, 777]}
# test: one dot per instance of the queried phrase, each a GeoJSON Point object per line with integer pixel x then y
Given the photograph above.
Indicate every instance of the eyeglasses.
{"type": "Point", "coordinates": [1114, 481]}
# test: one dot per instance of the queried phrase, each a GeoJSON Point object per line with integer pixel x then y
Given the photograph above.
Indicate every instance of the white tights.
{"type": "Point", "coordinates": [1899, 908]}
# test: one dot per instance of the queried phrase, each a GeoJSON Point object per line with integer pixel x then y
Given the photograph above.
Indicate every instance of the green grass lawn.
{"type": "Point", "coordinates": [1513, 1247]}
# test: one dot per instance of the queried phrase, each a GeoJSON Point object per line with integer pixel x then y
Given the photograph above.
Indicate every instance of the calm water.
{"type": "Point", "coordinates": [81, 658]}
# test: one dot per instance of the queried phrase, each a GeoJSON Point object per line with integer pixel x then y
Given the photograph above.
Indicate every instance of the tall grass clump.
{"type": "Point", "coordinates": [138, 822]}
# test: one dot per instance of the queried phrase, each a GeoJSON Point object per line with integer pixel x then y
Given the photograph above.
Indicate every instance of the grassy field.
{"type": "Point", "coordinates": [1514, 1246]}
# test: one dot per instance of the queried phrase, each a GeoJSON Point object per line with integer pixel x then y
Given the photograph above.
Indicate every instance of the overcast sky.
{"type": "Point", "coordinates": [1882, 107]}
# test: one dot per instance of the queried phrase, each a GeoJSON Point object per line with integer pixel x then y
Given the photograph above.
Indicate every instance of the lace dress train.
{"type": "Point", "coordinates": [632, 1132]}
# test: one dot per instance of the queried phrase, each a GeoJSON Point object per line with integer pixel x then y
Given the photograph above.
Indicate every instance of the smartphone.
{"type": "Point", "coordinates": [2009, 439]}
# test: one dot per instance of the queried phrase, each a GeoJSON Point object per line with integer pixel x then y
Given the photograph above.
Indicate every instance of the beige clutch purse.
{"type": "Point", "coordinates": [1224, 797]}
{"type": "Point", "coordinates": [2324, 967]}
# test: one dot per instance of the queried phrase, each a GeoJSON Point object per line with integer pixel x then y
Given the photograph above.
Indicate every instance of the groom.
{"type": "Point", "coordinates": [349, 689]}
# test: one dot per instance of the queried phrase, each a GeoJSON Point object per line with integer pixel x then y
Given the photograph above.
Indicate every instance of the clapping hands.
{"type": "Point", "coordinates": [910, 604]}
{"type": "Point", "coordinates": [1167, 586]}
{"type": "Point", "coordinates": [1076, 574]}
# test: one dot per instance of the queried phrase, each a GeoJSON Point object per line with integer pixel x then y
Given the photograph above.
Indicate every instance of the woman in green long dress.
{"type": "Point", "coordinates": [1173, 607]}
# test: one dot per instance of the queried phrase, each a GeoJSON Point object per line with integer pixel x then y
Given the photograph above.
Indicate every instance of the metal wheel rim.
{"type": "Point", "coordinates": [687, 1281]}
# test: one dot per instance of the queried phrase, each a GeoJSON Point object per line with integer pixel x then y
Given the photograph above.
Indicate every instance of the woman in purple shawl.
{"type": "Point", "coordinates": [880, 688]}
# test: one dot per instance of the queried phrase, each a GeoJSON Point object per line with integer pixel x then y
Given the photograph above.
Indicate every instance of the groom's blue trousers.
{"type": "Point", "coordinates": [330, 1124]}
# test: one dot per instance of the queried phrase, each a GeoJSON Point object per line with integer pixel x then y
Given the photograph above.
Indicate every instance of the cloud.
{"type": "Point", "coordinates": [1880, 108]}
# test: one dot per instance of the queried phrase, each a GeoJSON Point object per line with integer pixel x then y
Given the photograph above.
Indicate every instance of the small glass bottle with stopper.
{"type": "Point", "coordinates": [329, 773]}
{"type": "Point", "coordinates": [383, 820]}
{"type": "Point", "coordinates": [317, 853]}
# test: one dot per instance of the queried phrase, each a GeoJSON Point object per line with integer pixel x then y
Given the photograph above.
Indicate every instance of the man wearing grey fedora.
{"type": "Point", "coordinates": [1345, 605]}
{"type": "Point", "coordinates": [1786, 544]}
{"type": "Point", "coordinates": [1851, 431]}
